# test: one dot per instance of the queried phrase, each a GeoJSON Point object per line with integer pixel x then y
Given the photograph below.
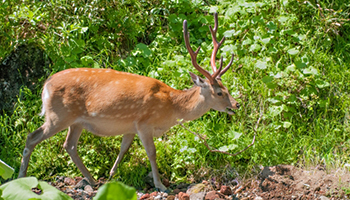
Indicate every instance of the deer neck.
{"type": "Point", "coordinates": [190, 104]}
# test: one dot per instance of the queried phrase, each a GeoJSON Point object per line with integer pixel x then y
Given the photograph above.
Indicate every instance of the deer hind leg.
{"type": "Point", "coordinates": [74, 132]}
{"type": "Point", "coordinates": [126, 142]}
{"type": "Point", "coordinates": [45, 131]}
{"type": "Point", "coordinates": [146, 136]}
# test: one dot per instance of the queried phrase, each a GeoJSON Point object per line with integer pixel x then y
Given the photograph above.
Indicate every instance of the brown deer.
{"type": "Point", "coordinates": [108, 103]}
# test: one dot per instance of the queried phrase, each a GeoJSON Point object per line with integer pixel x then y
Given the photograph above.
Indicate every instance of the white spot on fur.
{"type": "Point", "coordinates": [72, 90]}
{"type": "Point", "coordinates": [88, 103]}
{"type": "Point", "coordinates": [102, 115]}
{"type": "Point", "coordinates": [126, 106]}
{"type": "Point", "coordinates": [117, 82]}
{"type": "Point", "coordinates": [93, 114]}
{"type": "Point", "coordinates": [77, 79]}
{"type": "Point", "coordinates": [117, 115]}
{"type": "Point", "coordinates": [160, 106]}
{"type": "Point", "coordinates": [132, 106]}
{"type": "Point", "coordinates": [95, 85]}
{"type": "Point", "coordinates": [89, 78]}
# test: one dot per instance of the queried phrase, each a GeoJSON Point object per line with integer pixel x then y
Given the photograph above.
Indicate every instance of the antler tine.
{"type": "Point", "coordinates": [227, 67]}
{"type": "Point", "coordinates": [215, 42]}
{"type": "Point", "coordinates": [217, 73]}
{"type": "Point", "coordinates": [194, 54]}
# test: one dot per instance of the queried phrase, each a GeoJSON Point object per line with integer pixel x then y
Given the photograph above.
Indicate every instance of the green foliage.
{"type": "Point", "coordinates": [116, 191]}
{"type": "Point", "coordinates": [6, 171]}
{"type": "Point", "coordinates": [295, 69]}
{"type": "Point", "coordinates": [22, 189]}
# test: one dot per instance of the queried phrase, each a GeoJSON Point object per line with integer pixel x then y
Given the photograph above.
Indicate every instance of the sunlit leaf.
{"type": "Point", "coordinates": [116, 191]}
{"type": "Point", "coordinates": [293, 51]}
{"type": "Point", "coordinates": [261, 64]}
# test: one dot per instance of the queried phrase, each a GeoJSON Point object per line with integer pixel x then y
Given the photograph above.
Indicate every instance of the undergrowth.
{"type": "Point", "coordinates": [295, 68]}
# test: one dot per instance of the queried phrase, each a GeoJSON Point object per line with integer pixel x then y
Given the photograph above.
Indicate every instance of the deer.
{"type": "Point", "coordinates": [107, 102]}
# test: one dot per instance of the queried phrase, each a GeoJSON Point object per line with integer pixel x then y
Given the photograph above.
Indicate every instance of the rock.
{"type": "Point", "coordinates": [196, 188]}
{"type": "Point", "coordinates": [153, 194]}
{"type": "Point", "coordinates": [258, 198]}
{"type": "Point", "coordinates": [266, 172]}
{"type": "Point", "coordinates": [166, 182]}
{"type": "Point", "coordinates": [69, 181]}
{"type": "Point", "coordinates": [176, 191]}
{"type": "Point", "coordinates": [197, 196]}
{"type": "Point", "coordinates": [170, 197]}
{"type": "Point", "coordinates": [158, 197]}
{"type": "Point", "coordinates": [145, 196]}
{"type": "Point", "coordinates": [213, 195]}
{"type": "Point", "coordinates": [225, 190]}
{"type": "Point", "coordinates": [183, 196]}
{"type": "Point", "coordinates": [88, 189]}
{"type": "Point", "coordinates": [324, 198]}
{"type": "Point", "coordinates": [81, 184]}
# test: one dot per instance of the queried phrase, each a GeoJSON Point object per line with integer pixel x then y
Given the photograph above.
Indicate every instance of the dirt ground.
{"type": "Point", "coordinates": [277, 182]}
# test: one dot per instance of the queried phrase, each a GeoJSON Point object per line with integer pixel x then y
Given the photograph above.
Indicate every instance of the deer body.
{"type": "Point", "coordinates": [108, 103]}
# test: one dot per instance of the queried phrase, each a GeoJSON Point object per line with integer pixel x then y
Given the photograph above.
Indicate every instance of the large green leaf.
{"type": "Point", "coordinates": [5, 170]}
{"type": "Point", "coordinates": [22, 189]}
{"type": "Point", "coordinates": [116, 191]}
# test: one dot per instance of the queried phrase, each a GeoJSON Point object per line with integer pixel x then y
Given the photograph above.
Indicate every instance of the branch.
{"type": "Point", "coordinates": [225, 152]}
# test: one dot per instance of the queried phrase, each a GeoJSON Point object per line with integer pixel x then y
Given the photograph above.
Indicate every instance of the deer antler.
{"type": "Point", "coordinates": [217, 45]}
{"type": "Point", "coordinates": [194, 54]}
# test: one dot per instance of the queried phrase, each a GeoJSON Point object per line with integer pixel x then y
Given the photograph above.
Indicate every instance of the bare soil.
{"type": "Point", "coordinates": [277, 182]}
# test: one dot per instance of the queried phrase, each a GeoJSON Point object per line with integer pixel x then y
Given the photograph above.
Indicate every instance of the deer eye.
{"type": "Point", "coordinates": [219, 93]}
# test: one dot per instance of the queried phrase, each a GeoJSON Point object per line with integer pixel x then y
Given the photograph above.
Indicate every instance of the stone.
{"type": "Point", "coordinates": [170, 197]}
{"type": "Point", "coordinates": [183, 196]}
{"type": "Point", "coordinates": [196, 188]}
{"type": "Point", "coordinates": [88, 189]}
{"type": "Point", "coordinates": [69, 181]}
{"type": "Point", "coordinates": [324, 198]}
{"type": "Point", "coordinates": [213, 195]}
{"type": "Point", "coordinates": [166, 182]}
{"type": "Point", "coordinates": [258, 198]}
{"type": "Point", "coordinates": [145, 196]}
{"type": "Point", "coordinates": [81, 184]}
{"type": "Point", "coordinates": [153, 194]}
{"type": "Point", "coordinates": [197, 196]}
{"type": "Point", "coordinates": [176, 191]}
{"type": "Point", "coordinates": [225, 190]}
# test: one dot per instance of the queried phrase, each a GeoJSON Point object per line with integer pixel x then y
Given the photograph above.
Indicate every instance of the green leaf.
{"type": "Point", "coordinates": [5, 170]}
{"type": "Point", "coordinates": [261, 64]}
{"type": "Point", "coordinates": [275, 110]}
{"type": "Point", "coordinates": [86, 60]}
{"type": "Point", "coordinates": [246, 41]}
{"type": "Point", "coordinates": [22, 189]}
{"type": "Point", "coordinates": [293, 51]}
{"type": "Point", "coordinates": [265, 40]}
{"type": "Point", "coordinates": [116, 191]}
{"type": "Point", "coordinates": [286, 124]}
{"type": "Point", "coordinates": [310, 71]}
{"type": "Point", "coordinates": [228, 147]}
{"type": "Point", "coordinates": [143, 50]}
{"type": "Point", "coordinates": [234, 135]}
{"type": "Point", "coordinates": [254, 47]}
{"type": "Point", "coordinates": [321, 83]}
{"type": "Point", "coordinates": [267, 79]}
{"type": "Point", "coordinates": [229, 33]}
{"type": "Point", "coordinates": [271, 25]}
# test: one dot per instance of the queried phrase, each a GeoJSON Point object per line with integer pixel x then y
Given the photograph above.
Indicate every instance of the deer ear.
{"type": "Point", "coordinates": [198, 80]}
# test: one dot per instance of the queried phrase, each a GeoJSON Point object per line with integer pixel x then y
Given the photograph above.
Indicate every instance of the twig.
{"type": "Point", "coordinates": [225, 152]}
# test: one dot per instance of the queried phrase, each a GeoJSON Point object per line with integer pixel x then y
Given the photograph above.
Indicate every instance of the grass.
{"type": "Point", "coordinates": [295, 65]}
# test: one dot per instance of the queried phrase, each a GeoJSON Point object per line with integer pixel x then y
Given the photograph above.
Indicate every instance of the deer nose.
{"type": "Point", "coordinates": [237, 105]}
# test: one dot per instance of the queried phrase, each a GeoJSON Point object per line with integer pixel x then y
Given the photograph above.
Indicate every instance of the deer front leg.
{"type": "Point", "coordinates": [126, 142]}
{"type": "Point", "coordinates": [71, 146]}
{"type": "Point", "coordinates": [146, 136]}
